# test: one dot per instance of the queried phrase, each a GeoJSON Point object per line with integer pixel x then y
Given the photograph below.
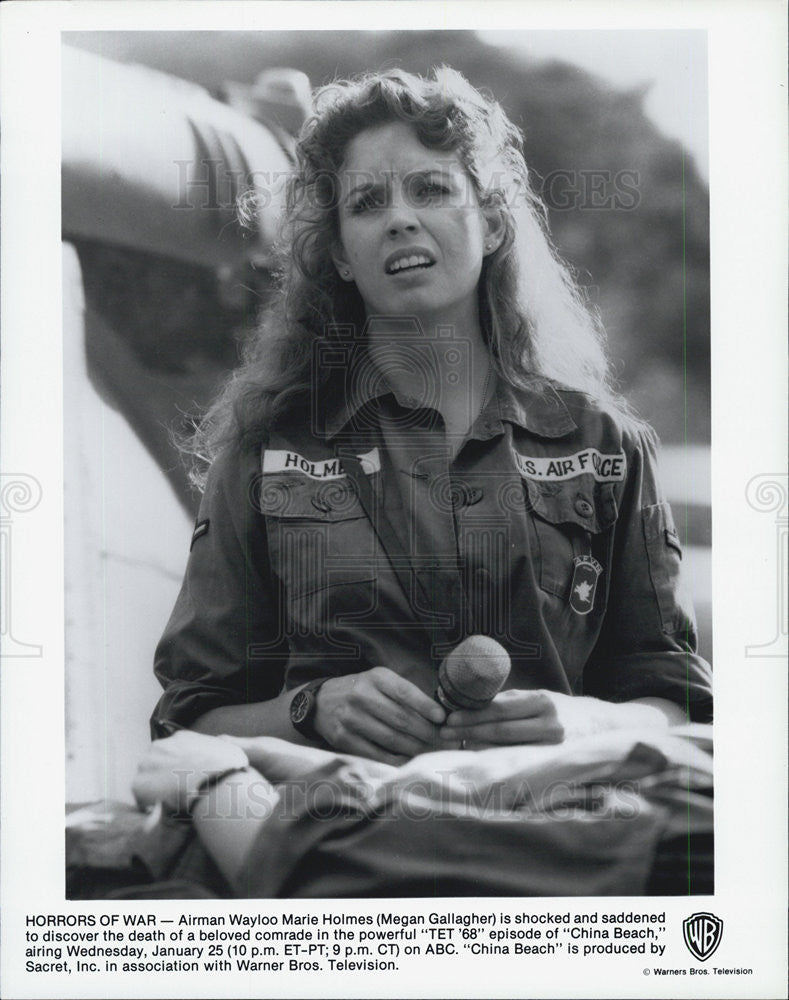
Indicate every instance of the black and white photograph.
{"type": "Point", "coordinates": [326, 279]}
{"type": "Point", "coordinates": [387, 400]}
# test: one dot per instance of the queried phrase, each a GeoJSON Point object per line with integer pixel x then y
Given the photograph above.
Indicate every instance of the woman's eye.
{"type": "Point", "coordinates": [367, 201]}
{"type": "Point", "coordinates": [430, 191]}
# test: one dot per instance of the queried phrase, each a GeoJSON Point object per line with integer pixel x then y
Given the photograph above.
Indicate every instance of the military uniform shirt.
{"type": "Point", "coordinates": [547, 531]}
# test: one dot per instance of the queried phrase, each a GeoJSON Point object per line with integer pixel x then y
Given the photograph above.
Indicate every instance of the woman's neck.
{"type": "Point", "coordinates": [441, 367]}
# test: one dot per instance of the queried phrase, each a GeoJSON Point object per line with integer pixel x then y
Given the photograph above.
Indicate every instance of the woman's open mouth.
{"type": "Point", "coordinates": [408, 262]}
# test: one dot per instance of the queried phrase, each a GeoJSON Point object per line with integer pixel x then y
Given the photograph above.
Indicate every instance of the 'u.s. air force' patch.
{"type": "Point", "coordinates": [327, 468]}
{"type": "Point", "coordinates": [604, 468]}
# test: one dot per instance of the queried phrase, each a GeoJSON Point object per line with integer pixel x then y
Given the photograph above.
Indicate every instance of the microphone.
{"type": "Point", "coordinates": [472, 674]}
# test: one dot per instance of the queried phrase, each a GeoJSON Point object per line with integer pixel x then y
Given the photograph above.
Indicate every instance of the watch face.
{"type": "Point", "coordinates": [300, 706]}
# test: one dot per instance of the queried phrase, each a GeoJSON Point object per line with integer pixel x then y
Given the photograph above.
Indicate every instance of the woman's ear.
{"type": "Point", "coordinates": [495, 228]}
{"type": "Point", "coordinates": [343, 268]}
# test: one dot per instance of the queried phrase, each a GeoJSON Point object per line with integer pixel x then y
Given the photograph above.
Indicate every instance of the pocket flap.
{"type": "Point", "coordinates": [290, 496]}
{"type": "Point", "coordinates": [582, 501]}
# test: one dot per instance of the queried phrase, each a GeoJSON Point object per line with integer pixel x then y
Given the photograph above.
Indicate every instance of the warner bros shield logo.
{"type": "Point", "coordinates": [702, 933]}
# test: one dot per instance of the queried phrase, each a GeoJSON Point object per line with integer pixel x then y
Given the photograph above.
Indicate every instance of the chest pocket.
{"type": "Point", "coordinates": [318, 533]}
{"type": "Point", "coordinates": [570, 519]}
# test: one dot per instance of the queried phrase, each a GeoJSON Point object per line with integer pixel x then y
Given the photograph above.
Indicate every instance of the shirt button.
{"type": "Point", "coordinates": [473, 495]}
{"type": "Point", "coordinates": [583, 507]}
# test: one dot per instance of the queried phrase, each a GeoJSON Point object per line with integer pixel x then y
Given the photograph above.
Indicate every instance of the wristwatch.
{"type": "Point", "coordinates": [303, 708]}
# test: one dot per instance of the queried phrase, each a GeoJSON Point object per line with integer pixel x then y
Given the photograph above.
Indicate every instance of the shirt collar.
{"type": "Point", "coordinates": [361, 389]}
{"type": "Point", "coordinates": [359, 394]}
{"type": "Point", "coordinates": [539, 410]}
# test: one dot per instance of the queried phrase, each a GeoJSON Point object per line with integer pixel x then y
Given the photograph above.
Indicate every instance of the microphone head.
{"type": "Point", "coordinates": [473, 673]}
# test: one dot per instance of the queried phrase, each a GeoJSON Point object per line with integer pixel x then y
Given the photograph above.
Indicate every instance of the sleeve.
{"type": "Point", "coordinates": [647, 645]}
{"type": "Point", "coordinates": [223, 644]}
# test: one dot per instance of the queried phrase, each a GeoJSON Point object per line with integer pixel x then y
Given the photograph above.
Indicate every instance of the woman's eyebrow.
{"type": "Point", "coordinates": [363, 187]}
{"type": "Point", "coordinates": [424, 172]}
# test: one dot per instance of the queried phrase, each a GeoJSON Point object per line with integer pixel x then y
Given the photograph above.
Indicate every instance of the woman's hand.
{"type": "Point", "coordinates": [516, 716]}
{"type": "Point", "coordinates": [174, 768]}
{"type": "Point", "coordinates": [378, 714]}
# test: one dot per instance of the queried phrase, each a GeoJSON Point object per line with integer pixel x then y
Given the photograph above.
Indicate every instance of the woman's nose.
{"type": "Point", "coordinates": [406, 227]}
{"type": "Point", "coordinates": [402, 217]}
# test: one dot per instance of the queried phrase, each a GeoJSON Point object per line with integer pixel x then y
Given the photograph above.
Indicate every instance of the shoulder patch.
{"type": "Point", "coordinates": [201, 528]}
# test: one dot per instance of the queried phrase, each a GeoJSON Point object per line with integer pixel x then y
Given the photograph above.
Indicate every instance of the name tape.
{"type": "Point", "coordinates": [604, 468]}
{"type": "Point", "coordinates": [329, 468]}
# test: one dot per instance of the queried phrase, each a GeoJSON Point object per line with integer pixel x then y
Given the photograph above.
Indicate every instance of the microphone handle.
{"type": "Point", "coordinates": [452, 705]}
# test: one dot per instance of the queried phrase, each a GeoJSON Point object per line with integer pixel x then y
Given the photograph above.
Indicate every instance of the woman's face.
{"type": "Point", "coordinates": [412, 232]}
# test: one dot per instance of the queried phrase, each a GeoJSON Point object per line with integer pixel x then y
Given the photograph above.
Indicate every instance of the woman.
{"type": "Point", "coordinates": [422, 444]}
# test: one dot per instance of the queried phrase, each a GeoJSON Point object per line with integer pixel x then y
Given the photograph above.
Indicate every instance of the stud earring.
{"type": "Point", "coordinates": [346, 272]}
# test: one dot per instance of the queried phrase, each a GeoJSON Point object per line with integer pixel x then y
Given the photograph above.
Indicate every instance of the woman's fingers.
{"type": "Point", "coordinates": [513, 716]}
{"type": "Point", "coordinates": [535, 717]}
{"type": "Point", "coordinates": [379, 709]}
{"type": "Point", "coordinates": [507, 733]}
{"type": "Point", "coordinates": [388, 736]}
{"type": "Point", "coordinates": [408, 695]}
{"type": "Point", "coordinates": [401, 719]}
{"type": "Point", "coordinates": [510, 704]}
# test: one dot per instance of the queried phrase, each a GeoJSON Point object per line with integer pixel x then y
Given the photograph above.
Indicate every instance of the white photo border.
{"type": "Point", "coordinates": [748, 175]}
